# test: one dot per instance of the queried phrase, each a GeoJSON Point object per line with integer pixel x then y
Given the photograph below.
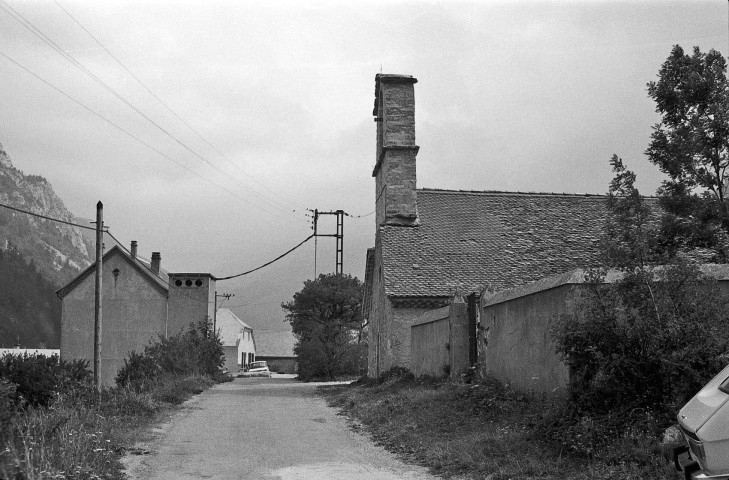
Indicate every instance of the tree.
{"type": "Point", "coordinates": [640, 346]}
{"type": "Point", "coordinates": [629, 238]}
{"type": "Point", "coordinates": [691, 145]}
{"type": "Point", "coordinates": [326, 318]}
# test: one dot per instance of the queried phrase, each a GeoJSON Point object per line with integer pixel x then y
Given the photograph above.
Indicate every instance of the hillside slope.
{"type": "Point", "coordinates": [38, 256]}
{"type": "Point", "coordinates": [59, 251]}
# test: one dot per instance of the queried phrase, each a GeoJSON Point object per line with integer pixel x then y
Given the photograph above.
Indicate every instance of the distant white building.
{"type": "Point", "coordinates": [48, 352]}
{"type": "Point", "coordinates": [237, 338]}
{"type": "Point", "coordinates": [277, 348]}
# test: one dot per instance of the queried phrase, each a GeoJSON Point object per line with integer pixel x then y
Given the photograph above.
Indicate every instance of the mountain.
{"type": "Point", "coordinates": [39, 256]}
{"type": "Point", "coordinates": [59, 251]}
{"type": "Point", "coordinates": [30, 312]}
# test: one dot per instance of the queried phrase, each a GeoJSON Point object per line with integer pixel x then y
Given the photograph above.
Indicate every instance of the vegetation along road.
{"type": "Point", "coordinates": [260, 428]}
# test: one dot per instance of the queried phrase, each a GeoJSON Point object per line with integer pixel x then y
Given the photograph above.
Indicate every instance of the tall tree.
{"type": "Point", "coordinates": [691, 145]}
{"type": "Point", "coordinates": [326, 317]}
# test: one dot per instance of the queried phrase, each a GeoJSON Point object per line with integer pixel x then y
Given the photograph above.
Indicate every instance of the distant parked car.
{"type": "Point", "coordinates": [257, 369]}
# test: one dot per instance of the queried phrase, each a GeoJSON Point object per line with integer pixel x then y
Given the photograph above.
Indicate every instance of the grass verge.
{"type": "Point", "coordinates": [479, 430]}
{"type": "Point", "coordinates": [83, 435]}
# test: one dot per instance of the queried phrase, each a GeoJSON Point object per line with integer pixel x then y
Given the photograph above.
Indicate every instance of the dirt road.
{"type": "Point", "coordinates": [263, 429]}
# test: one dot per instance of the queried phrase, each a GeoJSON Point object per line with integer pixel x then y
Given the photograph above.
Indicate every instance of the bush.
{"type": "Point", "coordinates": [38, 379]}
{"type": "Point", "coordinates": [8, 406]}
{"type": "Point", "coordinates": [196, 351]}
{"type": "Point", "coordinates": [637, 350]}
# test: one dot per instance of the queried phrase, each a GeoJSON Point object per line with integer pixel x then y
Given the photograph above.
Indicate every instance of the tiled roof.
{"type": "Point", "coordinates": [271, 343]}
{"type": "Point", "coordinates": [469, 240]}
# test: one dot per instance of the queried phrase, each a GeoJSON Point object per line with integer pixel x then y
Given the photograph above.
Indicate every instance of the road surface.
{"type": "Point", "coordinates": [260, 428]}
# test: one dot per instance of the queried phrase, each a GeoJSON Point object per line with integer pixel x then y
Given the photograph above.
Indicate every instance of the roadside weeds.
{"type": "Point", "coordinates": [82, 435]}
{"type": "Point", "coordinates": [479, 430]}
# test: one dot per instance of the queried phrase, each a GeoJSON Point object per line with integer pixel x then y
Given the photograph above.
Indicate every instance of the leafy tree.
{"type": "Point", "coordinates": [629, 238]}
{"type": "Point", "coordinates": [195, 351]}
{"type": "Point", "coordinates": [640, 346]}
{"type": "Point", "coordinates": [691, 145]}
{"type": "Point", "coordinates": [326, 317]}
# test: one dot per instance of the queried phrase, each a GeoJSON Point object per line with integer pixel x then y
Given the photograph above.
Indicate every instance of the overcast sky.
{"type": "Point", "coordinates": [517, 96]}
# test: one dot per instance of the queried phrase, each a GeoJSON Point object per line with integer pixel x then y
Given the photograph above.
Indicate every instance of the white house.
{"type": "Point", "coordinates": [237, 337]}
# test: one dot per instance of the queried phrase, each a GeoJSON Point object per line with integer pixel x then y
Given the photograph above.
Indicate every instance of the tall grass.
{"type": "Point", "coordinates": [54, 424]}
{"type": "Point", "coordinates": [481, 430]}
{"type": "Point", "coordinates": [83, 435]}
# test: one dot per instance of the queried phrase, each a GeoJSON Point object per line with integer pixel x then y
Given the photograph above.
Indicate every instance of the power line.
{"type": "Point", "coordinates": [48, 218]}
{"type": "Point", "coordinates": [359, 216]}
{"type": "Point", "coordinates": [53, 45]}
{"type": "Point", "coordinates": [161, 102]}
{"type": "Point", "coordinates": [268, 263]}
{"type": "Point", "coordinates": [118, 127]}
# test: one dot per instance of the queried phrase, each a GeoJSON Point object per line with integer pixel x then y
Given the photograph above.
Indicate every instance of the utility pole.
{"type": "Point", "coordinates": [339, 260]}
{"type": "Point", "coordinates": [316, 239]}
{"type": "Point", "coordinates": [215, 310]}
{"type": "Point", "coordinates": [97, 295]}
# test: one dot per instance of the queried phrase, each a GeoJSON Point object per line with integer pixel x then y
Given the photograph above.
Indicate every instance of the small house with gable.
{"type": "Point", "coordinates": [236, 336]}
{"type": "Point", "coordinates": [140, 303]}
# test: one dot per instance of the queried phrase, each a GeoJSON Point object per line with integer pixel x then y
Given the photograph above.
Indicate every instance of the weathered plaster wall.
{"type": "Point", "coordinates": [133, 314]}
{"type": "Point", "coordinates": [519, 349]}
{"type": "Point", "coordinates": [439, 342]}
{"type": "Point", "coordinates": [430, 344]}
{"type": "Point", "coordinates": [231, 358]}
{"type": "Point", "coordinates": [190, 303]}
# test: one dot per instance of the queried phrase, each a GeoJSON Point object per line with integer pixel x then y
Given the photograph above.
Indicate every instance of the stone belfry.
{"type": "Point", "coordinates": [396, 150]}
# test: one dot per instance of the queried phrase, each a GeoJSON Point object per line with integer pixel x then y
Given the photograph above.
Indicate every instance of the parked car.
{"type": "Point", "coordinates": [704, 422]}
{"type": "Point", "coordinates": [257, 369]}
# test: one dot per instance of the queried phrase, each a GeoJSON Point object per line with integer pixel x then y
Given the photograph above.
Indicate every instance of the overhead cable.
{"type": "Point", "coordinates": [118, 127]}
{"type": "Point", "coordinates": [162, 102]}
{"type": "Point", "coordinates": [68, 57]}
{"type": "Point", "coordinates": [47, 218]}
{"type": "Point", "coordinates": [268, 263]}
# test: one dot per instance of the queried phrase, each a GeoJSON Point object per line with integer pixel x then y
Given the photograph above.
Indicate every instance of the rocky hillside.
{"type": "Point", "coordinates": [59, 251]}
{"type": "Point", "coordinates": [37, 257]}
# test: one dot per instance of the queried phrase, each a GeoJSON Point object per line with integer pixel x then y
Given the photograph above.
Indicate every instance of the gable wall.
{"type": "Point", "coordinates": [133, 314]}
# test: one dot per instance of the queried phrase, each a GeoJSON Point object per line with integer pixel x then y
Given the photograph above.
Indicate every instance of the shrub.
{"type": "Point", "coordinates": [637, 350]}
{"type": "Point", "coordinates": [39, 379]}
{"type": "Point", "coordinates": [196, 351]}
{"type": "Point", "coordinates": [8, 406]}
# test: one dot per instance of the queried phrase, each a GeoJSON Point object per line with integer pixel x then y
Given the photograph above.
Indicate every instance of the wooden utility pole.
{"type": "Point", "coordinates": [215, 307]}
{"type": "Point", "coordinates": [97, 296]}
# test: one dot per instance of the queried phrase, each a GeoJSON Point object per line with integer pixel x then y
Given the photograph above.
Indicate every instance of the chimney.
{"type": "Point", "coordinates": [134, 249]}
{"type": "Point", "coordinates": [396, 150]}
{"type": "Point", "coordinates": [156, 259]}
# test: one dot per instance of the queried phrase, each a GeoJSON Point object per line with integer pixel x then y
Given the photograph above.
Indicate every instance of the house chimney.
{"type": "Point", "coordinates": [134, 249]}
{"type": "Point", "coordinates": [396, 150]}
{"type": "Point", "coordinates": [156, 259]}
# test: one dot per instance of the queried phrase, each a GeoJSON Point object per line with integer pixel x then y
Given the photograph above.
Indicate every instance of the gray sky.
{"type": "Point", "coordinates": [518, 96]}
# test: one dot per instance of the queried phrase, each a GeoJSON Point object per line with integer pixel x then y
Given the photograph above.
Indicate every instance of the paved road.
{"type": "Point", "coordinates": [264, 429]}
